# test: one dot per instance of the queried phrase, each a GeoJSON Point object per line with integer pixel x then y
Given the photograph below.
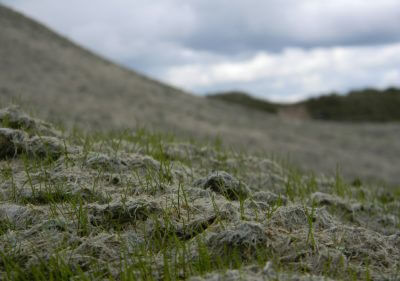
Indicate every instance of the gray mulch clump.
{"type": "Point", "coordinates": [11, 142]}
{"type": "Point", "coordinates": [256, 273]}
{"type": "Point", "coordinates": [244, 238]}
{"type": "Point", "coordinates": [12, 117]}
{"type": "Point", "coordinates": [14, 142]}
{"type": "Point", "coordinates": [225, 184]}
{"type": "Point", "coordinates": [123, 212]}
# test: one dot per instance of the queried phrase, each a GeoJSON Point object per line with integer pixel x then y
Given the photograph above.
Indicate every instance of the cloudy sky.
{"type": "Point", "coordinates": [282, 50]}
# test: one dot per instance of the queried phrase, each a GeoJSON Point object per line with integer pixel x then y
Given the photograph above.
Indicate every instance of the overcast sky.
{"type": "Point", "coordinates": [282, 50]}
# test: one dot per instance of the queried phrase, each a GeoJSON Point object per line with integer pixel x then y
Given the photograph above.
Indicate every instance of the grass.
{"type": "Point", "coordinates": [144, 220]}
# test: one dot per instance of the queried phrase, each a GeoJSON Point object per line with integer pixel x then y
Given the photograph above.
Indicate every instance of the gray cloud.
{"type": "Point", "coordinates": [200, 44]}
{"type": "Point", "coordinates": [223, 26]}
{"type": "Point", "coordinates": [273, 25]}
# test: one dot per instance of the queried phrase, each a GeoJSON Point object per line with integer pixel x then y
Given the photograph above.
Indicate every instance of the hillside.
{"type": "Point", "coordinates": [368, 105]}
{"type": "Point", "coordinates": [143, 206]}
{"type": "Point", "coordinates": [357, 106]}
{"type": "Point", "coordinates": [61, 82]}
{"type": "Point", "coordinates": [244, 99]}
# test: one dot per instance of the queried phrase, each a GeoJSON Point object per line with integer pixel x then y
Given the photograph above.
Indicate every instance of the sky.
{"type": "Point", "coordinates": [281, 50]}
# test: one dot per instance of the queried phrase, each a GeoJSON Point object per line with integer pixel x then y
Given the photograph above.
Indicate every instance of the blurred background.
{"type": "Point", "coordinates": [314, 82]}
{"type": "Point", "coordinates": [283, 51]}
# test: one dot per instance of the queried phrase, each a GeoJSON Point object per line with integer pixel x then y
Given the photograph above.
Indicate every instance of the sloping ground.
{"type": "Point", "coordinates": [60, 81]}
{"type": "Point", "coordinates": [367, 105]}
{"type": "Point", "coordinates": [246, 100]}
{"type": "Point", "coordinates": [357, 106]}
{"type": "Point", "coordinates": [146, 207]}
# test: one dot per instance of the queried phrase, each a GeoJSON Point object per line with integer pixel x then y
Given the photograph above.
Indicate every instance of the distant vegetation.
{"type": "Point", "coordinates": [246, 100]}
{"type": "Point", "coordinates": [368, 105]}
{"type": "Point", "coordinates": [363, 105]}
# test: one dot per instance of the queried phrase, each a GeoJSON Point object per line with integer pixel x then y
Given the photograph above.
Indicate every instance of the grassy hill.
{"type": "Point", "coordinates": [62, 82]}
{"type": "Point", "coordinates": [357, 106]}
{"type": "Point", "coordinates": [244, 99]}
{"type": "Point", "coordinates": [368, 105]}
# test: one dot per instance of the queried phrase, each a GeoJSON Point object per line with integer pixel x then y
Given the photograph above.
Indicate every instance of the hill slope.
{"type": "Point", "coordinates": [357, 106]}
{"type": "Point", "coordinates": [244, 99]}
{"type": "Point", "coordinates": [61, 81]}
{"type": "Point", "coordinates": [368, 105]}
